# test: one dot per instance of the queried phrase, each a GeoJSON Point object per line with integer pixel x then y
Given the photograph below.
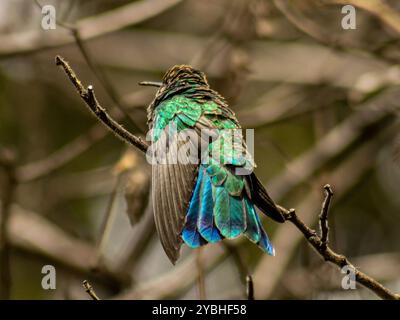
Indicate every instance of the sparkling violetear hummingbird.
{"type": "Point", "coordinates": [207, 201]}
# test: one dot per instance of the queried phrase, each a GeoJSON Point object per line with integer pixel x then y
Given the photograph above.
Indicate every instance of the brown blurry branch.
{"type": "Point", "coordinates": [177, 280]}
{"type": "Point", "coordinates": [139, 241]}
{"type": "Point", "coordinates": [89, 28]}
{"type": "Point", "coordinates": [319, 243]}
{"type": "Point", "coordinates": [88, 96]}
{"type": "Point", "coordinates": [300, 21]}
{"type": "Point", "coordinates": [7, 163]}
{"type": "Point", "coordinates": [200, 275]}
{"type": "Point", "coordinates": [336, 141]}
{"type": "Point", "coordinates": [30, 232]}
{"type": "Point", "coordinates": [317, 32]}
{"type": "Point", "coordinates": [250, 287]}
{"type": "Point", "coordinates": [40, 168]}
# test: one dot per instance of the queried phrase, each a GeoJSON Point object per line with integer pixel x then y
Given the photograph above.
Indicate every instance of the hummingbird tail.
{"type": "Point", "coordinates": [216, 212]}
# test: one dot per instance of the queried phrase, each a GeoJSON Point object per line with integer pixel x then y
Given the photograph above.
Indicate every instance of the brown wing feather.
{"type": "Point", "coordinates": [172, 187]}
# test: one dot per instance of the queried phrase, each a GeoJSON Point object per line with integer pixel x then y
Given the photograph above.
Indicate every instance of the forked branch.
{"type": "Point", "coordinates": [320, 244]}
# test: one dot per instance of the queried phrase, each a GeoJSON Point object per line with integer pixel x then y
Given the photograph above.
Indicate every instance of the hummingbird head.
{"type": "Point", "coordinates": [184, 74]}
{"type": "Point", "coordinates": [179, 76]}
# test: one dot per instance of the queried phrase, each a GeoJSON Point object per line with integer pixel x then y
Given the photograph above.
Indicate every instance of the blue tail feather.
{"type": "Point", "coordinates": [228, 213]}
{"type": "Point", "coordinates": [253, 231]}
{"type": "Point", "coordinates": [214, 214]}
{"type": "Point", "coordinates": [264, 243]}
{"type": "Point", "coordinates": [190, 234]}
{"type": "Point", "coordinates": [205, 222]}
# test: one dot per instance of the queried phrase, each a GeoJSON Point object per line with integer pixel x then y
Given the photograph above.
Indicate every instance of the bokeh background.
{"type": "Point", "coordinates": [323, 101]}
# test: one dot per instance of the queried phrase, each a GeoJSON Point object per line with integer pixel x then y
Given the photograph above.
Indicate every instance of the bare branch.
{"type": "Point", "coordinates": [7, 161]}
{"type": "Point", "coordinates": [65, 154]}
{"type": "Point", "coordinates": [250, 287]}
{"type": "Point", "coordinates": [323, 217]}
{"type": "Point", "coordinates": [103, 79]}
{"type": "Point", "coordinates": [200, 275]}
{"type": "Point", "coordinates": [90, 99]}
{"type": "Point", "coordinates": [240, 263]}
{"type": "Point", "coordinates": [336, 141]}
{"type": "Point", "coordinates": [89, 289]}
{"type": "Point", "coordinates": [107, 221]}
{"type": "Point", "coordinates": [30, 232]}
{"type": "Point", "coordinates": [301, 22]}
{"type": "Point", "coordinates": [286, 239]}
{"type": "Point", "coordinates": [340, 260]}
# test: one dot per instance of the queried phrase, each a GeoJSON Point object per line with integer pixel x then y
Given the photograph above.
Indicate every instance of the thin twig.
{"type": "Point", "coordinates": [200, 275]}
{"type": "Point", "coordinates": [107, 222]}
{"type": "Point", "coordinates": [250, 287]}
{"type": "Point", "coordinates": [323, 217]}
{"type": "Point", "coordinates": [7, 161]}
{"type": "Point", "coordinates": [90, 99]}
{"type": "Point", "coordinates": [340, 260]}
{"type": "Point", "coordinates": [90, 291]}
{"type": "Point", "coordinates": [240, 263]}
{"type": "Point", "coordinates": [103, 79]}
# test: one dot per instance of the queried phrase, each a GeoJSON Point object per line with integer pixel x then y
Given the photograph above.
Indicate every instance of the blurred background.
{"type": "Point", "coordinates": [323, 101]}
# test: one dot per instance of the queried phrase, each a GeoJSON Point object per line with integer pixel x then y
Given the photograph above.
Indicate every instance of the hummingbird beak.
{"type": "Point", "coordinates": [151, 83]}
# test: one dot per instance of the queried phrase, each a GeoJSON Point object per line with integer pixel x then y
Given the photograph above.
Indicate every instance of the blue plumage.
{"type": "Point", "coordinates": [215, 214]}
{"type": "Point", "coordinates": [205, 221]}
{"type": "Point", "coordinates": [253, 228]}
{"type": "Point", "coordinates": [264, 243]}
{"type": "Point", "coordinates": [190, 233]}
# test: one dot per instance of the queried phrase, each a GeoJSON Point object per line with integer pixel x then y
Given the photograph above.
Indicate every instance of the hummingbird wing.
{"type": "Point", "coordinates": [172, 186]}
{"type": "Point", "coordinates": [173, 174]}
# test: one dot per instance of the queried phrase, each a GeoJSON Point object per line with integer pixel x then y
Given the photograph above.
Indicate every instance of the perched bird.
{"type": "Point", "coordinates": [207, 201]}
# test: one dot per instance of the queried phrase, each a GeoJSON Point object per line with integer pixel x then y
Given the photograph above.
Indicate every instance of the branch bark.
{"type": "Point", "coordinates": [88, 96]}
{"type": "Point", "coordinates": [89, 290]}
{"type": "Point", "coordinates": [323, 217]}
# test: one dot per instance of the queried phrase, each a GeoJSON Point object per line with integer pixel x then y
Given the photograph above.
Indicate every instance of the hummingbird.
{"type": "Point", "coordinates": [207, 201]}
